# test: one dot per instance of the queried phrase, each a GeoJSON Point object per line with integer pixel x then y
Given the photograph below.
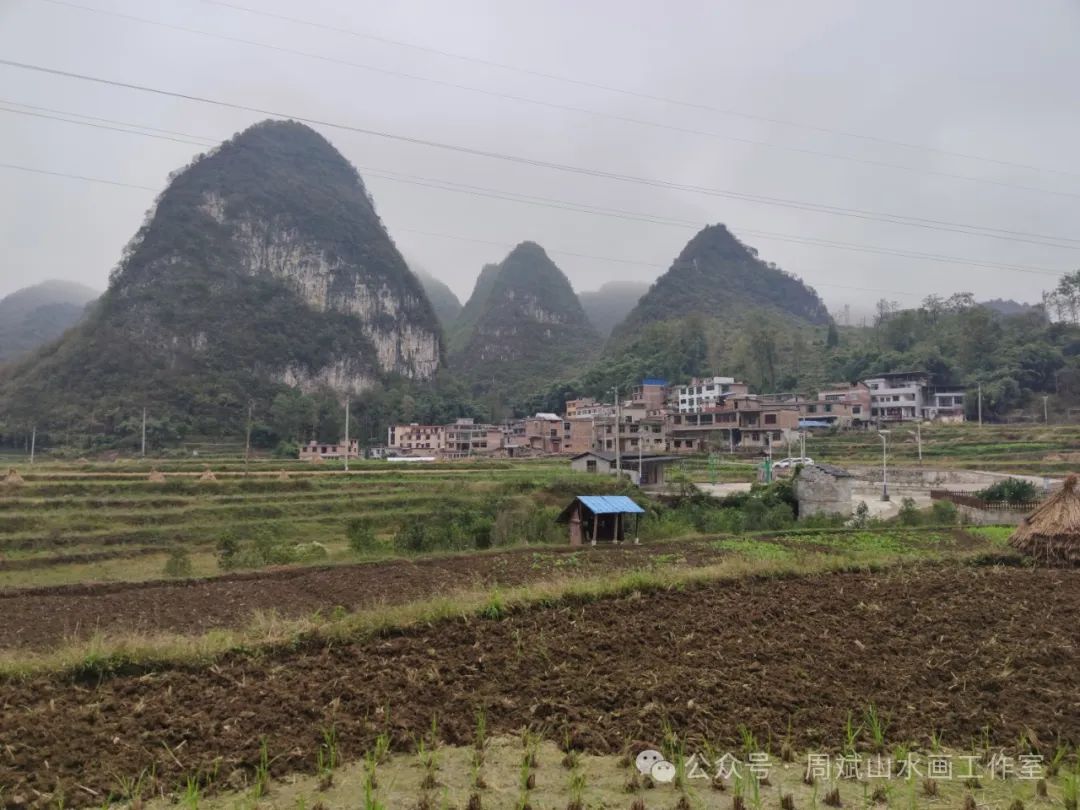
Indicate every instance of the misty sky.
{"type": "Point", "coordinates": [992, 79]}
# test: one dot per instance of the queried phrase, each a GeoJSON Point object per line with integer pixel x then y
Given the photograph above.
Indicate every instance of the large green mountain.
{"type": "Point", "coordinates": [719, 278]}
{"type": "Point", "coordinates": [33, 316]}
{"type": "Point", "coordinates": [610, 304]}
{"type": "Point", "coordinates": [522, 327]}
{"type": "Point", "coordinates": [262, 266]}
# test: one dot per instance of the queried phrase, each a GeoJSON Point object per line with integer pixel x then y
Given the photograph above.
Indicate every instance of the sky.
{"type": "Point", "coordinates": [961, 115]}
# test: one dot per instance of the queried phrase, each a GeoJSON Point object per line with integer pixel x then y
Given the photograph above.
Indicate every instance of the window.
{"type": "Point", "coordinates": [590, 465]}
{"type": "Point", "coordinates": [770, 419]}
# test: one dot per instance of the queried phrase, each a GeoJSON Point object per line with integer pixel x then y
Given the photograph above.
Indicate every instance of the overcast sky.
{"type": "Point", "coordinates": [991, 79]}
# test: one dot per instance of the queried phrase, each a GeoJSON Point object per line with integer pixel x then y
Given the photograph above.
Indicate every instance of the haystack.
{"type": "Point", "coordinates": [13, 479]}
{"type": "Point", "coordinates": [208, 475]}
{"type": "Point", "coordinates": [282, 476]}
{"type": "Point", "coordinates": [1051, 534]}
{"type": "Point", "coordinates": [157, 477]}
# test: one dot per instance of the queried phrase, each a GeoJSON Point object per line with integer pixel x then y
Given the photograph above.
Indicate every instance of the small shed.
{"type": "Point", "coordinates": [646, 470]}
{"type": "Point", "coordinates": [822, 489]}
{"type": "Point", "coordinates": [600, 517]}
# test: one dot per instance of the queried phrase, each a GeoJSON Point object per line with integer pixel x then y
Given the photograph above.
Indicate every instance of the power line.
{"type": "Point", "coordinates": [855, 213]}
{"type": "Point", "coordinates": [560, 106]}
{"type": "Point", "coordinates": [548, 202]}
{"type": "Point", "coordinates": [102, 126]}
{"type": "Point", "coordinates": [71, 176]}
{"type": "Point", "coordinates": [643, 263]}
{"type": "Point", "coordinates": [635, 93]}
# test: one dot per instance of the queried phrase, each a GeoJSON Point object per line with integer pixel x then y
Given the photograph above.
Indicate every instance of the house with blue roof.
{"type": "Point", "coordinates": [596, 518]}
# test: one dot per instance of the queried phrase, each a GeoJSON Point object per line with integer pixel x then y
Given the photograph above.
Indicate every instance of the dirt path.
{"type": "Point", "coordinates": [44, 617]}
{"type": "Point", "coordinates": [956, 649]}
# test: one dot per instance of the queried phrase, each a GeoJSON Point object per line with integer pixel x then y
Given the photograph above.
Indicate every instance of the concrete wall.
{"type": "Point", "coordinates": [820, 493]}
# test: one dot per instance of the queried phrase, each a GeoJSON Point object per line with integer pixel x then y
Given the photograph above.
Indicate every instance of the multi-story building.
{"type": "Point", "coordinates": [467, 438]}
{"type": "Point", "coordinates": [946, 406]}
{"type": "Point", "coordinates": [740, 421]}
{"type": "Point", "coordinates": [544, 432]}
{"type": "Point", "coordinates": [430, 439]}
{"type": "Point", "coordinates": [651, 394]}
{"type": "Point", "coordinates": [587, 407]}
{"type": "Point", "coordinates": [703, 394]}
{"type": "Point", "coordinates": [319, 450]}
{"type": "Point", "coordinates": [899, 396]}
{"type": "Point", "coordinates": [637, 430]}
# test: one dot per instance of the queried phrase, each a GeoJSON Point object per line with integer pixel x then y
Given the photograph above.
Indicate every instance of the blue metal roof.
{"type": "Point", "coordinates": [609, 504]}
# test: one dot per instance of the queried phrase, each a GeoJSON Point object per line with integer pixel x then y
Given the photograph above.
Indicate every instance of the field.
{"type": "Point", "coordinates": [369, 677]}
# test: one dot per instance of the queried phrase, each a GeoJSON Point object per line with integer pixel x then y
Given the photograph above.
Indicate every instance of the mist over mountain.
{"type": "Point", "coordinates": [446, 305]}
{"type": "Point", "coordinates": [35, 315]}
{"type": "Point", "coordinates": [610, 304]}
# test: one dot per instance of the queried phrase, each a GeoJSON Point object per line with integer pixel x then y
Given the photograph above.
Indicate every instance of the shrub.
{"type": "Point", "coordinates": [179, 563]}
{"type": "Point", "coordinates": [1012, 490]}
{"type": "Point", "coordinates": [909, 513]}
{"type": "Point", "coordinates": [862, 516]}
{"type": "Point", "coordinates": [287, 449]}
{"type": "Point", "coordinates": [943, 513]}
{"type": "Point", "coordinates": [256, 546]}
{"type": "Point", "coordinates": [361, 536]}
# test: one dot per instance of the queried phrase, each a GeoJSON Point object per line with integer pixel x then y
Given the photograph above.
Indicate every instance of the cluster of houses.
{"type": "Point", "coordinates": [705, 415]}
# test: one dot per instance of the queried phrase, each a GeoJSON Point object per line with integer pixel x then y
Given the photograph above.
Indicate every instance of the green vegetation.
{"type": "Point", "coordinates": [528, 329]}
{"type": "Point", "coordinates": [1011, 490]}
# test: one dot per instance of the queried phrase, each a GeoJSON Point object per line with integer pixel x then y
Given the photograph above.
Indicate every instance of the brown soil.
{"type": "Point", "coordinates": [949, 648]}
{"type": "Point", "coordinates": [40, 618]}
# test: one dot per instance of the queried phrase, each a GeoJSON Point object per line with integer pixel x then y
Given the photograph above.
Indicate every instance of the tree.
{"type": "Point", "coordinates": [292, 414]}
{"type": "Point", "coordinates": [832, 337]}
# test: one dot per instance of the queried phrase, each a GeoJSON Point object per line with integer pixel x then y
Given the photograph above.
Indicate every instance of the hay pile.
{"type": "Point", "coordinates": [1051, 534]}
{"type": "Point", "coordinates": [157, 476]}
{"type": "Point", "coordinates": [207, 475]}
{"type": "Point", "coordinates": [13, 479]}
{"type": "Point", "coordinates": [282, 476]}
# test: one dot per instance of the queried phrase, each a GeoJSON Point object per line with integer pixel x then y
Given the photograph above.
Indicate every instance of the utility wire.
{"type": "Point", "coordinates": [559, 106]}
{"type": "Point", "coordinates": [652, 265]}
{"type": "Point", "coordinates": [855, 213]}
{"type": "Point", "coordinates": [634, 93]}
{"type": "Point", "coordinates": [565, 205]}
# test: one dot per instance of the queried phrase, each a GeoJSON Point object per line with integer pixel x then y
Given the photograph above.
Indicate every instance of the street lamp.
{"type": "Point", "coordinates": [884, 434]}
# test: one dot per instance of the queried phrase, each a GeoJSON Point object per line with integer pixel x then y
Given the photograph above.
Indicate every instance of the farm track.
{"type": "Point", "coordinates": [948, 648]}
{"type": "Point", "coordinates": [40, 618]}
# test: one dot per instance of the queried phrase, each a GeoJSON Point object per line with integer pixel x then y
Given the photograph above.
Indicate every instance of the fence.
{"type": "Point", "coordinates": [975, 502]}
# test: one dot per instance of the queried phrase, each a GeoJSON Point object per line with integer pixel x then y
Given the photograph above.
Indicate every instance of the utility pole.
{"type": "Point", "coordinates": [884, 434]}
{"type": "Point", "coordinates": [918, 438]}
{"type": "Point", "coordinates": [347, 445]}
{"type": "Point", "coordinates": [33, 442]}
{"type": "Point", "coordinates": [980, 404]}
{"type": "Point", "coordinates": [144, 432]}
{"type": "Point", "coordinates": [247, 440]}
{"type": "Point", "coordinates": [802, 444]}
{"type": "Point", "coordinates": [618, 429]}
{"type": "Point", "coordinates": [1046, 410]}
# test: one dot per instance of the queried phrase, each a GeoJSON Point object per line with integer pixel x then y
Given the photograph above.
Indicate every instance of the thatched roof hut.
{"type": "Point", "coordinates": [1051, 534]}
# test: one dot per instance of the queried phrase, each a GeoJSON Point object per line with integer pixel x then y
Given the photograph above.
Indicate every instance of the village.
{"type": "Point", "coordinates": [713, 414]}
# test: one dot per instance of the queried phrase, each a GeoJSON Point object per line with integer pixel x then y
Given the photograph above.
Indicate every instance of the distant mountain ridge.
{"type": "Point", "coordinates": [523, 326]}
{"type": "Point", "coordinates": [36, 315]}
{"type": "Point", "coordinates": [446, 305]}
{"type": "Point", "coordinates": [610, 304]}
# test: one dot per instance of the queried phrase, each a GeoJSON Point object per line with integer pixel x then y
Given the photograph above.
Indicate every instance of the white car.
{"type": "Point", "coordinates": [785, 463]}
